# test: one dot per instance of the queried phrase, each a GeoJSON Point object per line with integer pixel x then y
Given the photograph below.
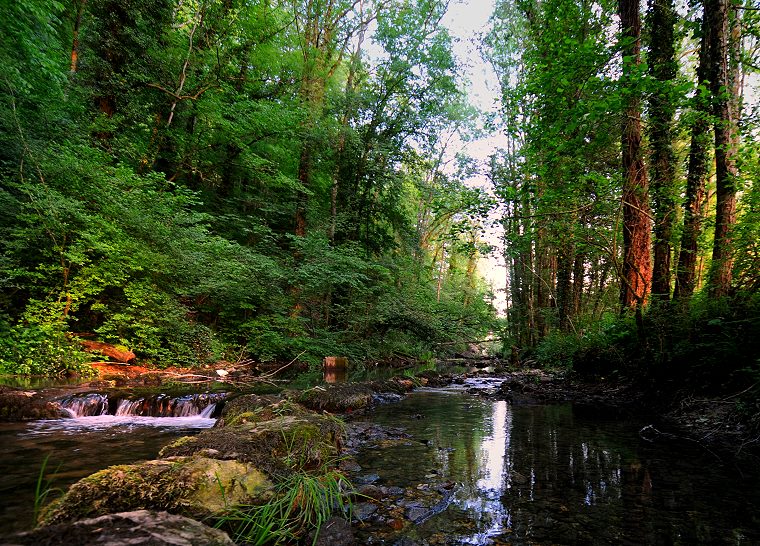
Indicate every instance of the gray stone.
{"type": "Point", "coordinates": [334, 532]}
{"type": "Point", "coordinates": [138, 528]}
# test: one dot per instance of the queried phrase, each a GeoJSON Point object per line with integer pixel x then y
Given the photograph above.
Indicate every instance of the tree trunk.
{"type": "Point", "coordinates": [724, 82]}
{"type": "Point", "coordinates": [75, 35]}
{"type": "Point", "coordinates": [663, 69]}
{"type": "Point", "coordinates": [578, 275]}
{"type": "Point", "coordinates": [565, 262]}
{"type": "Point", "coordinates": [696, 178]}
{"type": "Point", "coordinates": [637, 267]}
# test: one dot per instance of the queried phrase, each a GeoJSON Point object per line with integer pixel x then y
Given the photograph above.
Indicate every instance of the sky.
{"type": "Point", "coordinates": [467, 20]}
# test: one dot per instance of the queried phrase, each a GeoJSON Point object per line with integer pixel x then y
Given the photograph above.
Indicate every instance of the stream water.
{"type": "Point", "coordinates": [518, 474]}
{"type": "Point", "coordinates": [63, 451]}
{"type": "Point", "coordinates": [552, 474]}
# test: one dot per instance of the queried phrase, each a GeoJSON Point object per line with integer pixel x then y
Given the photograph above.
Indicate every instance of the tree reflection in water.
{"type": "Point", "coordinates": [550, 474]}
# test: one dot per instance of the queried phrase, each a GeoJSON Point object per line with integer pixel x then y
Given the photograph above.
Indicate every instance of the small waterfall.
{"type": "Point", "coordinates": [85, 405]}
{"type": "Point", "coordinates": [160, 405]}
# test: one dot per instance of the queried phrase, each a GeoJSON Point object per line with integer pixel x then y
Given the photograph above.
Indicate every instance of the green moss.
{"type": "Point", "coordinates": [243, 409]}
{"type": "Point", "coordinates": [193, 486]}
{"type": "Point", "coordinates": [337, 398]}
{"type": "Point", "coordinates": [276, 446]}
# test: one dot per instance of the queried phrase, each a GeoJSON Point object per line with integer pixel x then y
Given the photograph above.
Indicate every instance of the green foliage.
{"type": "Point", "coordinates": [43, 490]}
{"type": "Point", "coordinates": [149, 196]}
{"type": "Point", "coordinates": [40, 349]}
{"type": "Point", "coordinates": [302, 503]}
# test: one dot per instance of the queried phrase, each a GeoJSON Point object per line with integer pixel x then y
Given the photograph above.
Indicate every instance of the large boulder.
{"type": "Point", "coordinates": [253, 408]}
{"type": "Point", "coordinates": [337, 398]}
{"type": "Point", "coordinates": [139, 528]}
{"type": "Point", "coordinates": [347, 397]}
{"type": "Point", "coordinates": [193, 486]}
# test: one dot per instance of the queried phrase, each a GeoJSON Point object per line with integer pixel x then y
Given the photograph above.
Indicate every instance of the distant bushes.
{"type": "Point", "coordinates": [709, 346]}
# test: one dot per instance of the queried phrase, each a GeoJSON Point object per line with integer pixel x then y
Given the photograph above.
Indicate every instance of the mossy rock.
{"type": "Point", "coordinates": [276, 446]}
{"type": "Point", "coordinates": [20, 405]}
{"type": "Point", "coordinates": [396, 385]}
{"type": "Point", "coordinates": [191, 486]}
{"type": "Point", "coordinates": [251, 408]}
{"type": "Point", "coordinates": [337, 398]}
{"type": "Point", "coordinates": [433, 378]}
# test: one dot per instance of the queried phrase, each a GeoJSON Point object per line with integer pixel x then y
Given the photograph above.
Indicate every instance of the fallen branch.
{"type": "Point", "coordinates": [278, 370]}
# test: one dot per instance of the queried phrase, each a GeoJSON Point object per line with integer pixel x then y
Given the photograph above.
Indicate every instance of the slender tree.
{"type": "Point", "coordinates": [698, 170]}
{"type": "Point", "coordinates": [724, 85]}
{"type": "Point", "coordinates": [637, 268]}
{"type": "Point", "coordinates": [662, 107]}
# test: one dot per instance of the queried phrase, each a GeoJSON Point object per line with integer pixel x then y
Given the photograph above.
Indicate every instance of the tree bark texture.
{"type": "Point", "coordinates": [698, 171]}
{"type": "Point", "coordinates": [637, 267]}
{"type": "Point", "coordinates": [75, 35]}
{"type": "Point", "coordinates": [663, 69]}
{"type": "Point", "coordinates": [724, 83]}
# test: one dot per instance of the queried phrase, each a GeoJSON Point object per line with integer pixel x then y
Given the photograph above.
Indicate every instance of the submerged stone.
{"type": "Point", "coordinates": [334, 532]}
{"type": "Point", "coordinates": [193, 486]}
{"type": "Point", "coordinates": [141, 527]}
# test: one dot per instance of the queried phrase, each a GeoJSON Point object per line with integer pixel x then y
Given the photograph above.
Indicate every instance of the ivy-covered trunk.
{"type": "Point", "coordinates": [696, 178]}
{"type": "Point", "coordinates": [724, 81]}
{"type": "Point", "coordinates": [663, 68]}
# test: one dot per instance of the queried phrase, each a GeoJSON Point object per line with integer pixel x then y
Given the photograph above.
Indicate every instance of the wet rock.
{"type": "Point", "coordinates": [20, 405]}
{"type": "Point", "coordinates": [334, 532]}
{"type": "Point", "coordinates": [279, 445]}
{"type": "Point", "coordinates": [416, 513]}
{"type": "Point", "coordinates": [349, 465]}
{"type": "Point", "coordinates": [192, 486]}
{"type": "Point", "coordinates": [518, 479]}
{"type": "Point", "coordinates": [337, 398]}
{"type": "Point", "coordinates": [370, 491]}
{"type": "Point", "coordinates": [251, 408]}
{"type": "Point", "coordinates": [386, 397]}
{"type": "Point", "coordinates": [139, 528]}
{"type": "Point", "coordinates": [363, 510]}
{"type": "Point", "coordinates": [406, 541]}
{"type": "Point", "coordinates": [365, 435]}
{"type": "Point", "coordinates": [366, 479]}
{"type": "Point", "coordinates": [435, 379]}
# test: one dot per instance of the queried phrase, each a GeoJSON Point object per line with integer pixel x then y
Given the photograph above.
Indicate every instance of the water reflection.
{"type": "Point", "coordinates": [548, 475]}
{"type": "Point", "coordinates": [335, 375]}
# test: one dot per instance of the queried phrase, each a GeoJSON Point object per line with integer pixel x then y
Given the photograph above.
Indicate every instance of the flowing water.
{"type": "Point", "coordinates": [102, 432]}
{"type": "Point", "coordinates": [518, 474]}
{"type": "Point", "coordinates": [552, 474]}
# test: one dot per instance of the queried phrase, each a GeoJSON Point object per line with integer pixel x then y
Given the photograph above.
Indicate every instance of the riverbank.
{"type": "Point", "coordinates": [394, 508]}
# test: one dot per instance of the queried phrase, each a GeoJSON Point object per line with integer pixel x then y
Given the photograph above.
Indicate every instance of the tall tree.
{"type": "Point", "coordinates": [637, 268]}
{"type": "Point", "coordinates": [325, 28]}
{"type": "Point", "coordinates": [724, 79]}
{"type": "Point", "coordinates": [663, 68]}
{"type": "Point", "coordinates": [698, 170]}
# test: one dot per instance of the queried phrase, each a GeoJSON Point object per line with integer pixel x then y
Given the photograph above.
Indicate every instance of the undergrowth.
{"type": "Point", "coordinates": [302, 503]}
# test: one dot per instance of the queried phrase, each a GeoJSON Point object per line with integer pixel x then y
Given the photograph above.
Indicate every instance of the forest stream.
{"type": "Point", "coordinates": [449, 465]}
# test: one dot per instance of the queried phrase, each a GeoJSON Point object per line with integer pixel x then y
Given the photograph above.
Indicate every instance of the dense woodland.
{"type": "Point", "coordinates": [199, 180]}
{"type": "Point", "coordinates": [629, 178]}
{"type": "Point", "coordinates": [225, 179]}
